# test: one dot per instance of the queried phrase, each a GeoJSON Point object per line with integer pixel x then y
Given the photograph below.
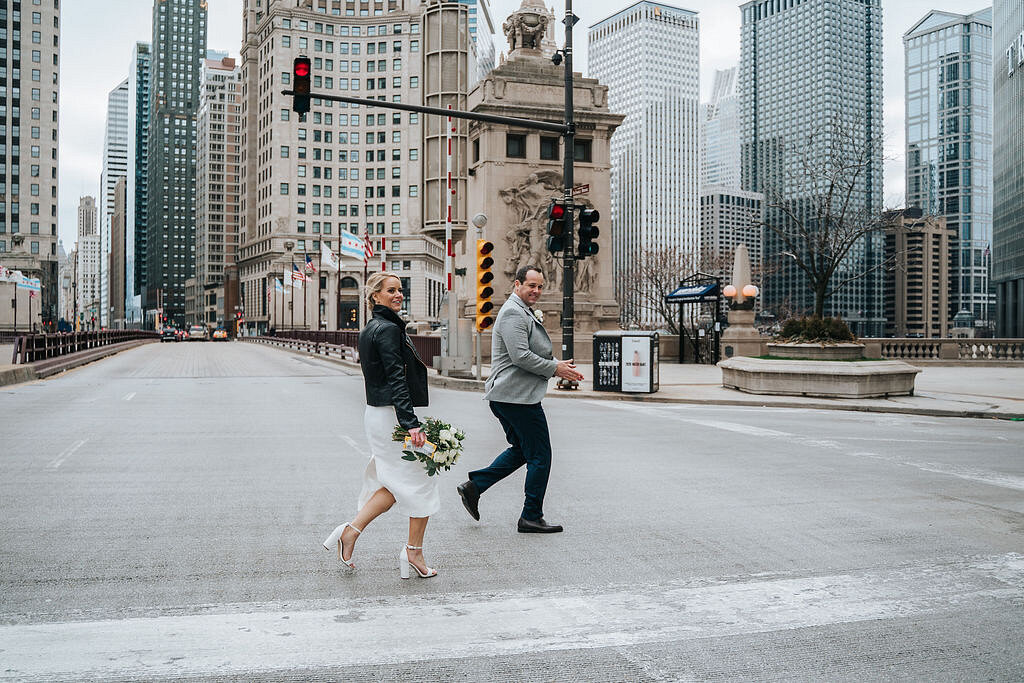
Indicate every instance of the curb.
{"type": "Point", "coordinates": [42, 369]}
{"type": "Point", "coordinates": [459, 384]}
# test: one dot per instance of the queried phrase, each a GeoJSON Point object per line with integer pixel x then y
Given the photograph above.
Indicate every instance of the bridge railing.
{"type": "Point", "coordinates": [29, 348]}
{"type": "Point", "coordinates": [328, 342]}
{"type": "Point", "coordinates": [966, 350]}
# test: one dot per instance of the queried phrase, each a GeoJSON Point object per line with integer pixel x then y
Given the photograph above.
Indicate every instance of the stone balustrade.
{"type": "Point", "coordinates": [965, 350]}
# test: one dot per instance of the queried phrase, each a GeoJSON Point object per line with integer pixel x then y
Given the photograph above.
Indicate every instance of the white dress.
{"type": "Point", "coordinates": [416, 493]}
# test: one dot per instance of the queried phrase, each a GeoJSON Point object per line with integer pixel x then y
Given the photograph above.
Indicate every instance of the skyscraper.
{"type": "Point", "coordinates": [29, 74]}
{"type": "Point", "coordinates": [217, 175]}
{"type": "Point", "coordinates": [720, 133]}
{"type": "Point", "coordinates": [806, 66]}
{"type": "Point", "coordinates": [481, 29]}
{"type": "Point", "coordinates": [648, 55]}
{"type": "Point", "coordinates": [361, 170]}
{"type": "Point", "coordinates": [1007, 165]}
{"type": "Point", "coordinates": [179, 45]}
{"type": "Point", "coordinates": [115, 166]}
{"type": "Point", "coordinates": [949, 144]}
{"type": "Point", "coordinates": [88, 266]}
{"type": "Point", "coordinates": [137, 196]}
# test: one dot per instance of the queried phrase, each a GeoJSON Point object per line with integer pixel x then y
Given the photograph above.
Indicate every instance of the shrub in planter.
{"type": "Point", "coordinates": [816, 330]}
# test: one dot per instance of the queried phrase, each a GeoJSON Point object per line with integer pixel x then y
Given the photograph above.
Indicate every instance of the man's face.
{"type": "Point", "coordinates": [529, 290]}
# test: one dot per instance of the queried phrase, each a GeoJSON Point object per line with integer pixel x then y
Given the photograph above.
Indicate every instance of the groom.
{"type": "Point", "coordinates": [521, 365]}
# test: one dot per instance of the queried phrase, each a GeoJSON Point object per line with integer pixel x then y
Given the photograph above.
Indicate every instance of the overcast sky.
{"type": "Point", "coordinates": [97, 37]}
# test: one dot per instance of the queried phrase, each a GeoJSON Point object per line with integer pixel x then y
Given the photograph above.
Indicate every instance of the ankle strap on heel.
{"type": "Point", "coordinates": [414, 547]}
{"type": "Point", "coordinates": [357, 529]}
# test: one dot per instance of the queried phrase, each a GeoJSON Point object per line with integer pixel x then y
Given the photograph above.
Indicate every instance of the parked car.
{"type": "Point", "coordinates": [220, 334]}
{"type": "Point", "coordinates": [198, 332]}
{"type": "Point", "coordinates": [182, 334]}
{"type": "Point", "coordinates": [168, 334]}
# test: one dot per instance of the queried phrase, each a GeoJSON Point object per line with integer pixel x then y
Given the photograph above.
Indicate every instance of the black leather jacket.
{"type": "Point", "coordinates": [393, 373]}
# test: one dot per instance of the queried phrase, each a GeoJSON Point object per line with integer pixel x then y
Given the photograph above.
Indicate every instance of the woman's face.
{"type": "Point", "coordinates": [390, 294]}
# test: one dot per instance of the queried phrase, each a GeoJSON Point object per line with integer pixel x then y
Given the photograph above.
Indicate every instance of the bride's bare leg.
{"type": "Point", "coordinates": [379, 503]}
{"type": "Point", "coordinates": [417, 528]}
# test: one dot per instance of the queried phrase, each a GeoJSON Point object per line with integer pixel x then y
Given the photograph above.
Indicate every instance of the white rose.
{"type": "Point", "coordinates": [438, 456]}
{"type": "Point", "coordinates": [539, 315]}
{"type": "Point", "coordinates": [445, 435]}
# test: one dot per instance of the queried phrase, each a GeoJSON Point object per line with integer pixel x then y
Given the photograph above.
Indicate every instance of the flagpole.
{"type": "Point", "coordinates": [291, 299]}
{"type": "Point", "coordinates": [318, 290]}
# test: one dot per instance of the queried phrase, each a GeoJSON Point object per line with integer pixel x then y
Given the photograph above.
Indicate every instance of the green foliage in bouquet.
{"type": "Point", "coordinates": [816, 330]}
{"type": "Point", "coordinates": [447, 438]}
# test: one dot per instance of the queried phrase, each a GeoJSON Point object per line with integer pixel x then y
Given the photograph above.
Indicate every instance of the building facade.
{"type": "Point", "coordinates": [830, 51]}
{"type": "Point", "coordinates": [137, 196]}
{"type": "Point", "coordinates": [949, 144]}
{"type": "Point", "coordinates": [178, 48]}
{"type": "Point", "coordinates": [729, 217]}
{"type": "Point", "coordinates": [115, 167]}
{"type": "Point", "coordinates": [372, 172]}
{"type": "Point", "coordinates": [917, 287]}
{"type": "Point", "coordinates": [1007, 163]}
{"type": "Point", "coordinates": [29, 78]}
{"type": "Point", "coordinates": [116, 257]}
{"type": "Point", "coordinates": [482, 31]}
{"type": "Point", "coordinates": [720, 133]}
{"type": "Point", "coordinates": [87, 266]}
{"type": "Point", "coordinates": [217, 184]}
{"type": "Point", "coordinates": [648, 56]}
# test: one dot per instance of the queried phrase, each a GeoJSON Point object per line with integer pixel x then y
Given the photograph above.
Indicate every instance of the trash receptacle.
{"type": "Point", "coordinates": [626, 361]}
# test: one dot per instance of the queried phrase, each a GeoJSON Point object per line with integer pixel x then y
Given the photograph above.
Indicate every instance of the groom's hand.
{"type": "Point", "coordinates": [567, 370]}
{"type": "Point", "coordinates": [416, 437]}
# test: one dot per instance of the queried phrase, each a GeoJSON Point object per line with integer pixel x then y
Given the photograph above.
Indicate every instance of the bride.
{"type": "Point", "coordinates": [396, 382]}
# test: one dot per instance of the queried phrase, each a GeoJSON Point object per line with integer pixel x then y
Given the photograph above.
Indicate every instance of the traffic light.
{"type": "Point", "coordinates": [484, 287]}
{"type": "Point", "coordinates": [556, 227]}
{"type": "Point", "coordinates": [588, 232]}
{"type": "Point", "coordinates": [300, 84]}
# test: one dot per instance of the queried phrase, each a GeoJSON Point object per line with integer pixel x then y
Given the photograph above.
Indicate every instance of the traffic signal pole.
{"type": "Point", "coordinates": [568, 157]}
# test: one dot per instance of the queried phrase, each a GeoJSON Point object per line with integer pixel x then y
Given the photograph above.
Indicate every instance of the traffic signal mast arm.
{"type": "Point", "coordinates": [559, 128]}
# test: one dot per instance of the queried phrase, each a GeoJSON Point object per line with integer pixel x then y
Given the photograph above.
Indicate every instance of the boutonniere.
{"type": "Point", "coordinates": [539, 316]}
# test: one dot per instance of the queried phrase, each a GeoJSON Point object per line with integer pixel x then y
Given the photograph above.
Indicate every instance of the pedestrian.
{"type": "Point", "coordinates": [395, 380]}
{"type": "Point", "coordinates": [521, 365]}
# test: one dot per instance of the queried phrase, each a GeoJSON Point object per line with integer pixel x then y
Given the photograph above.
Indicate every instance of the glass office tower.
{"type": "Point", "coordinates": [805, 64]}
{"type": "Point", "coordinates": [949, 144]}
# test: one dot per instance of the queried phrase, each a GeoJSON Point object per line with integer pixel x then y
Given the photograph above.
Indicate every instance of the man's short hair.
{"type": "Point", "coordinates": [523, 270]}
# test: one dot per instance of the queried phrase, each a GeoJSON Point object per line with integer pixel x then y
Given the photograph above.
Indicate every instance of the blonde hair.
{"type": "Point", "coordinates": [375, 283]}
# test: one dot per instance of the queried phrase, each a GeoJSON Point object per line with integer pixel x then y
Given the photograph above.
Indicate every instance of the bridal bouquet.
{"type": "Point", "coordinates": [442, 449]}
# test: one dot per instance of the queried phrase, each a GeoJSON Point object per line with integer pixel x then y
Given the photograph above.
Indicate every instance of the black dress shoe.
{"type": "Point", "coordinates": [537, 526]}
{"type": "Point", "coordinates": [470, 498]}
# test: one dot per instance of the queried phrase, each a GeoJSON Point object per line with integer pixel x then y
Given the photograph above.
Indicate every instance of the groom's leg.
{"type": "Point", "coordinates": [532, 426]}
{"type": "Point", "coordinates": [510, 460]}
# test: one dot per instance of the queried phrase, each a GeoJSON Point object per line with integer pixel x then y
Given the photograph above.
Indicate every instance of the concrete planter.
{"type": "Point", "coordinates": [825, 379]}
{"type": "Point", "coordinates": [844, 351]}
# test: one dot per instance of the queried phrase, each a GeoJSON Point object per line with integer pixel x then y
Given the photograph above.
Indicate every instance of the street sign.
{"type": "Point", "coordinates": [581, 189]}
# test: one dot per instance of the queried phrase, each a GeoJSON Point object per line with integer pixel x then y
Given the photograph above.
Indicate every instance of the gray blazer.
{"type": "Point", "coordinates": [521, 360]}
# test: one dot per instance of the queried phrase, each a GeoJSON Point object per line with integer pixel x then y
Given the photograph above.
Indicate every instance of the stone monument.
{"type": "Point", "coordinates": [514, 173]}
{"type": "Point", "coordinates": [741, 338]}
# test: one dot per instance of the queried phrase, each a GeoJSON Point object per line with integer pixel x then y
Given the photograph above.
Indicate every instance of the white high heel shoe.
{"type": "Point", "coordinates": [404, 564]}
{"type": "Point", "coordinates": [335, 539]}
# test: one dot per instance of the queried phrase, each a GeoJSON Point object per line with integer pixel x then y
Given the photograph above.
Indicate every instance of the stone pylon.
{"type": "Point", "coordinates": [741, 338]}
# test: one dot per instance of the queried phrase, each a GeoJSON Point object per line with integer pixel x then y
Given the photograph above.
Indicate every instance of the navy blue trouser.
{"type": "Point", "coordinates": [526, 429]}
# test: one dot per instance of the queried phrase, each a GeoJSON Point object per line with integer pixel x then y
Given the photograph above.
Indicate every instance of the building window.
{"type": "Point", "coordinates": [548, 148]}
{"type": "Point", "coordinates": [582, 151]}
{"type": "Point", "coordinates": [284, 188]}
{"type": "Point", "coordinates": [515, 145]}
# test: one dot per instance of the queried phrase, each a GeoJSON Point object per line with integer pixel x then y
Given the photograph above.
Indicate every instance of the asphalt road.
{"type": "Point", "coordinates": [162, 513]}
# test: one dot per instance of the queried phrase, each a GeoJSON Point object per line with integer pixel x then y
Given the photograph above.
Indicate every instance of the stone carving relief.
{"type": "Point", "coordinates": [526, 240]}
{"type": "Point", "coordinates": [525, 29]}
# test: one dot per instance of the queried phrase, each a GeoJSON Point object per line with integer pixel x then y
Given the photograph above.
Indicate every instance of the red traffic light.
{"type": "Point", "coordinates": [301, 67]}
{"type": "Point", "coordinates": [556, 211]}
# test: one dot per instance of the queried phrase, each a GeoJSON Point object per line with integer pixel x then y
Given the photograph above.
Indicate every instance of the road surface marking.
{"type": "Point", "coordinates": [673, 413]}
{"type": "Point", "coordinates": [65, 454]}
{"type": "Point", "coordinates": [129, 396]}
{"type": "Point", "coordinates": [1006, 481]}
{"type": "Point", "coordinates": [231, 640]}
{"type": "Point", "coordinates": [351, 442]}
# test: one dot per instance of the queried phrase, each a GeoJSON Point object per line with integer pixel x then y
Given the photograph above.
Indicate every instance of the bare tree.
{"type": "Point", "coordinates": [819, 210]}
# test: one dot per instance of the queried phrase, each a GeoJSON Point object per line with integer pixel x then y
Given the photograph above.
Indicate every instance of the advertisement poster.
{"type": "Point", "coordinates": [636, 364]}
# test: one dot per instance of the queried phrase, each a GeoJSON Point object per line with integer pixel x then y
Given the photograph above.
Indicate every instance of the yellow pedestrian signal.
{"type": "Point", "coordinates": [484, 284]}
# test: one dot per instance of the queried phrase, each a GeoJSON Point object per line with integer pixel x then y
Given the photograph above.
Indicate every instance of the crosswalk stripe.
{"type": "Point", "coordinates": [235, 639]}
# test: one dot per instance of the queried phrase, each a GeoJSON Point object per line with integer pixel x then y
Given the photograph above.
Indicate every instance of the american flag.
{"type": "Point", "coordinates": [367, 248]}
{"type": "Point", "coordinates": [298, 274]}
{"type": "Point", "coordinates": [310, 266]}
{"type": "Point", "coordinates": [270, 292]}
